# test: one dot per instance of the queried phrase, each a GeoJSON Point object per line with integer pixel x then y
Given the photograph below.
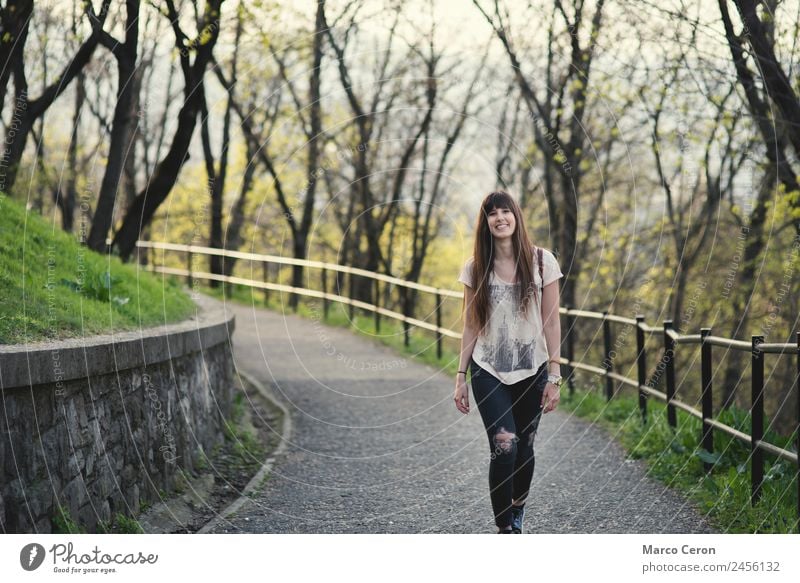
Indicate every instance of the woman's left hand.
{"type": "Point", "coordinates": [550, 397]}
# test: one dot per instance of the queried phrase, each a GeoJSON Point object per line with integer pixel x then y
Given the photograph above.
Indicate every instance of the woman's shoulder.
{"type": "Point", "coordinates": [547, 255]}
{"type": "Point", "coordinates": [466, 271]}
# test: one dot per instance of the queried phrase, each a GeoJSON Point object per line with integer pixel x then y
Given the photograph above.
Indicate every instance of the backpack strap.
{"type": "Point", "coordinates": [540, 264]}
{"type": "Point", "coordinates": [540, 261]}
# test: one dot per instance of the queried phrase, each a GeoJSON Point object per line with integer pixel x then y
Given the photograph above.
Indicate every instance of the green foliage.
{"type": "Point", "coordinates": [121, 524]}
{"type": "Point", "coordinates": [97, 286]}
{"type": "Point", "coordinates": [63, 523]}
{"type": "Point", "coordinates": [245, 444]}
{"type": "Point", "coordinates": [674, 457]}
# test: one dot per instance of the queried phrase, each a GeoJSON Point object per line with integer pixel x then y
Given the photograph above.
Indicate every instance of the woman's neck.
{"type": "Point", "coordinates": [503, 250]}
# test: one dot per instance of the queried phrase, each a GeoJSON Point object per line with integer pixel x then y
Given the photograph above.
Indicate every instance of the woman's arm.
{"type": "Point", "coordinates": [552, 334]}
{"type": "Point", "coordinates": [551, 322]}
{"type": "Point", "coordinates": [469, 337]}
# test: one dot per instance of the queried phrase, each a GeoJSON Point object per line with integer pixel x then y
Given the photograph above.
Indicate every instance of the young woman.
{"type": "Point", "coordinates": [511, 343]}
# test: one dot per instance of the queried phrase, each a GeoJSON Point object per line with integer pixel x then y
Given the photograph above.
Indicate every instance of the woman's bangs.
{"type": "Point", "coordinates": [497, 200]}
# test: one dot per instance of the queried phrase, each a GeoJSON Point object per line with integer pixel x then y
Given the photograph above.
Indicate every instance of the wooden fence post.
{"type": "Point", "coordinates": [569, 372]}
{"type": "Point", "coordinates": [439, 336]}
{"type": "Point", "coordinates": [797, 430]}
{"type": "Point", "coordinates": [641, 366]}
{"type": "Point", "coordinates": [352, 296]}
{"type": "Point", "coordinates": [706, 431]}
{"type": "Point", "coordinates": [189, 281]}
{"type": "Point", "coordinates": [377, 305]}
{"type": "Point", "coordinates": [265, 279]}
{"type": "Point", "coordinates": [669, 358]}
{"type": "Point", "coordinates": [608, 365]}
{"type": "Point", "coordinates": [325, 301]}
{"type": "Point", "coordinates": [406, 325]}
{"type": "Point", "coordinates": [756, 421]}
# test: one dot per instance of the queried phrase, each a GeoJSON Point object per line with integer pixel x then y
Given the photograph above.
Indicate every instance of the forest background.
{"type": "Point", "coordinates": [653, 147]}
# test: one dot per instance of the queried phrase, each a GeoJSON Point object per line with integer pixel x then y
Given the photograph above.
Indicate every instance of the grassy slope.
{"type": "Point", "coordinates": [52, 287]}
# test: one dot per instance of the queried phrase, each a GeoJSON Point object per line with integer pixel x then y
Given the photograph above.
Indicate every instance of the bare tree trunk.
{"type": "Point", "coordinates": [746, 282]}
{"type": "Point", "coordinates": [233, 238]}
{"type": "Point", "coordinates": [217, 177]}
{"type": "Point", "coordinates": [122, 126]}
{"type": "Point", "coordinates": [773, 134]}
{"type": "Point", "coordinates": [69, 194]}
{"type": "Point", "coordinates": [562, 136]}
{"type": "Point", "coordinates": [315, 115]}
{"type": "Point", "coordinates": [166, 173]}
{"type": "Point", "coordinates": [15, 17]}
{"type": "Point", "coordinates": [27, 111]}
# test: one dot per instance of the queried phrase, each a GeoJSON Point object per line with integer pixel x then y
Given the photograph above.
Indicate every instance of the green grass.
{"type": "Point", "coordinates": [120, 524]}
{"type": "Point", "coordinates": [63, 523]}
{"type": "Point", "coordinates": [675, 458]}
{"type": "Point", "coordinates": [53, 287]}
{"type": "Point", "coordinates": [241, 434]}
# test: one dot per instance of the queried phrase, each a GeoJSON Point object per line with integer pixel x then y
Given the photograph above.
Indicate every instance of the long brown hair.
{"type": "Point", "coordinates": [483, 256]}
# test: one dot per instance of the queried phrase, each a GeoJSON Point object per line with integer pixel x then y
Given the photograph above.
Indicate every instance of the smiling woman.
{"type": "Point", "coordinates": [511, 335]}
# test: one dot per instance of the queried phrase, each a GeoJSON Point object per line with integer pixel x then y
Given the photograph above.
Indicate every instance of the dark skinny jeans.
{"type": "Point", "coordinates": [509, 410]}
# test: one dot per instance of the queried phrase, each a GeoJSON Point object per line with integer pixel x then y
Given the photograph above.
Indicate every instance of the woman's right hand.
{"type": "Point", "coordinates": [461, 394]}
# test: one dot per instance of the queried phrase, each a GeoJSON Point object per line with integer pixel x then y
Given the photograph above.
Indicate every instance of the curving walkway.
{"type": "Point", "coordinates": [378, 446]}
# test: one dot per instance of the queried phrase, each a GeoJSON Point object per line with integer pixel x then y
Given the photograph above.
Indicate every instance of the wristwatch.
{"type": "Point", "coordinates": [555, 379]}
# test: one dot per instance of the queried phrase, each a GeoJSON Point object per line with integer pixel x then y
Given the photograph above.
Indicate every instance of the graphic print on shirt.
{"type": "Point", "coordinates": [505, 352]}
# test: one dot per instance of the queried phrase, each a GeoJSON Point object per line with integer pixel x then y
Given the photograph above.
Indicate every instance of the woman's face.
{"type": "Point", "coordinates": [501, 223]}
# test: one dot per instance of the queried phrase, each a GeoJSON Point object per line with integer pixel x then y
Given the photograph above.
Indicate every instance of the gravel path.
{"type": "Point", "coordinates": [378, 446]}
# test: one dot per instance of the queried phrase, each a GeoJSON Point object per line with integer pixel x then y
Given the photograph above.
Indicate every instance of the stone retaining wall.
{"type": "Point", "coordinates": [102, 425]}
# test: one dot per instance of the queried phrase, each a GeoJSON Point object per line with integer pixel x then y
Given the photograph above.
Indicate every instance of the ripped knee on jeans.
{"type": "Point", "coordinates": [504, 441]}
{"type": "Point", "coordinates": [530, 434]}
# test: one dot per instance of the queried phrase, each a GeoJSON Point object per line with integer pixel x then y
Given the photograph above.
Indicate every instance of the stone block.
{"type": "Point", "coordinates": [90, 457]}
{"type": "Point", "coordinates": [132, 498]}
{"type": "Point", "coordinates": [74, 495]}
{"type": "Point", "coordinates": [41, 498]}
{"type": "Point", "coordinates": [105, 483]}
{"type": "Point", "coordinates": [104, 511]}
{"type": "Point", "coordinates": [44, 526]}
{"type": "Point", "coordinates": [88, 517]}
{"type": "Point", "coordinates": [75, 464]}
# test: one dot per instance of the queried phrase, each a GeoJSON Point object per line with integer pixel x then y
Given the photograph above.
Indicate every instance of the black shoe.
{"type": "Point", "coordinates": [517, 515]}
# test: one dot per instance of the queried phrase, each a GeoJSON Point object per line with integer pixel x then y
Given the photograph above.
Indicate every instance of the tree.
{"type": "Point", "coordinates": [15, 18]}
{"type": "Point", "coordinates": [217, 176]}
{"type": "Point", "coordinates": [370, 212]}
{"type": "Point", "coordinates": [122, 128]}
{"type": "Point", "coordinates": [26, 110]}
{"type": "Point", "coordinates": [558, 129]}
{"type": "Point", "coordinates": [162, 180]}
{"type": "Point", "coordinates": [763, 88]}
